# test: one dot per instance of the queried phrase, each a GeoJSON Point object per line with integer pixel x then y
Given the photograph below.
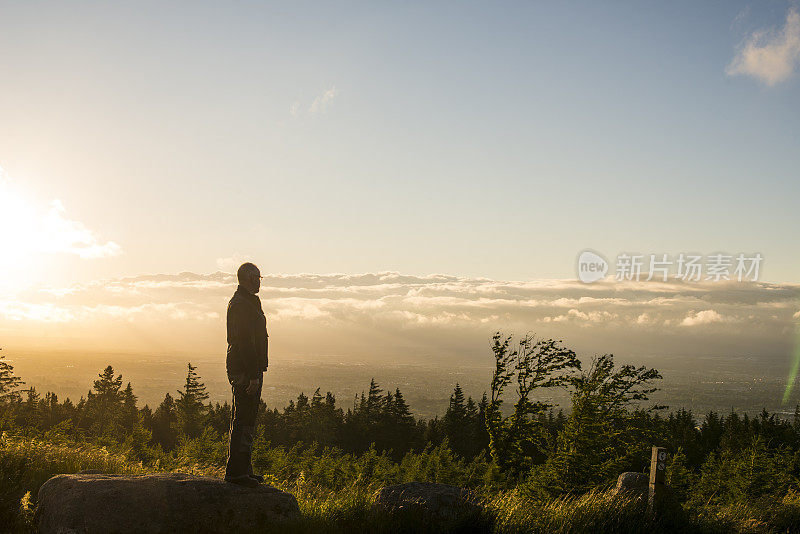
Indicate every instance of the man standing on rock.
{"type": "Point", "coordinates": [245, 363]}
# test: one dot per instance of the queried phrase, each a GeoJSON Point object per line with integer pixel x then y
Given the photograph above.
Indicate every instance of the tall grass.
{"type": "Point", "coordinates": [595, 511]}
{"type": "Point", "coordinates": [335, 493]}
{"type": "Point", "coordinates": [26, 463]}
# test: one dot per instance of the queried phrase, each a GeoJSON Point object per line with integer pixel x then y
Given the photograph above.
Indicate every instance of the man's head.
{"type": "Point", "coordinates": [249, 277]}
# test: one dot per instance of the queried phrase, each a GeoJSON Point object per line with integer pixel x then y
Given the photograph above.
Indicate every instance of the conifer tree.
{"type": "Point", "coordinates": [456, 423]}
{"type": "Point", "coordinates": [51, 410]}
{"type": "Point", "coordinates": [104, 405]}
{"type": "Point", "coordinates": [190, 406]}
{"type": "Point", "coordinates": [374, 402]}
{"type": "Point", "coordinates": [165, 423]}
{"type": "Point", "coordinates": [402, 412]}
{"type": "Point", "coordinates": [130, 414]}
{"type": "Point", "coordinates": [31, 409]}
{"type": "Point", "coordinates": [8, 382]}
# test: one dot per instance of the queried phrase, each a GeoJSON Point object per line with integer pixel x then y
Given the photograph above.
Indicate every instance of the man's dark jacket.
{"type": "Point", "coordinates": [247, 335]}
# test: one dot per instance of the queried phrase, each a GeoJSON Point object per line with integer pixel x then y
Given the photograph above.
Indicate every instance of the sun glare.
{"type": "Point", "coordinates": [19, 234]}
{"type": "Point", "coordinates": [33, 234]}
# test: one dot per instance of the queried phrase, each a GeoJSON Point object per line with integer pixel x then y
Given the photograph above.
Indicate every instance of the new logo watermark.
{"type": "Point", "coordinates": [592, 266]}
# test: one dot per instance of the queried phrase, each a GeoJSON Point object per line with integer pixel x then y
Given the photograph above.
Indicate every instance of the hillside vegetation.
{"type": "Point", "coordinates": [537, 468]}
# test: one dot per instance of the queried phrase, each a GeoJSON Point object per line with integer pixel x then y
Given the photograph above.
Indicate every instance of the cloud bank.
{"type": "Point", "coordinates": [394, 316]}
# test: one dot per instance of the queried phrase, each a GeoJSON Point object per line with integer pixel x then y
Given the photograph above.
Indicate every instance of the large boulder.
{"type": "Point", "coordinates": [438, 500]}
{"type": "Point", "coordinates": [167, 502]}
{"type": "Point", "coordinates": [632, 484]}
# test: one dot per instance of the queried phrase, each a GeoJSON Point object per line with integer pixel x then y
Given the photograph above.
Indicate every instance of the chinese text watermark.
{"type": "Point", "coordinates": [592, 266]}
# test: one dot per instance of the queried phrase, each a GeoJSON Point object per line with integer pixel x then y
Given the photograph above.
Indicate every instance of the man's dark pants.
{"type": "Point", "coordinates": [243, 426]}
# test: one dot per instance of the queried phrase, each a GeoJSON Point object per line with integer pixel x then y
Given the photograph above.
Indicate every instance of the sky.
{"type": "Point", "coordinates": [488, 143]}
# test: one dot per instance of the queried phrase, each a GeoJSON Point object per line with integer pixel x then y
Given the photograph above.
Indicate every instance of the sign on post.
{"type": "Point", "coordinates": [658, 468]}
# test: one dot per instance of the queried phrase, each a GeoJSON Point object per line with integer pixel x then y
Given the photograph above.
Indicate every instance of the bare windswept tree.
{"type": "Point", "coordinates": [517, 440]}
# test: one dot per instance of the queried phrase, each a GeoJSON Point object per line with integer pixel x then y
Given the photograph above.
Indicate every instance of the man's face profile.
{"type": "Point", "coordinates": [249, 277]}
{"type": "Point", "coordinates": [255, 281]}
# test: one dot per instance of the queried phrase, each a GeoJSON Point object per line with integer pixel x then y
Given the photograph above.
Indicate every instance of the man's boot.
{"type": "Point", "coordinates": [243, 480]}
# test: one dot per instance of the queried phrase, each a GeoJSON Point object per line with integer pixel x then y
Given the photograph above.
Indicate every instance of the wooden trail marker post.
{"type": "Point", "coordinates": [658, 467]}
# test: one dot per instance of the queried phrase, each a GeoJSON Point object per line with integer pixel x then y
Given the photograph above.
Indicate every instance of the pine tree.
{"type": "Point", "coordinates": [678, 475]}
{"type": "Point", "coordinates": [316, 399]}
{"type": "Point", "coordinates": [402, 412]}
{"type": "Point", "coordinates": [106, 386]}
{"type": "Point", "coordinates": [480, 432]}
{"type": "Point", "coordinates": [384, 433]}
{"type": "Point", "coordinates": [104, 405]}
{"type": "Point", "coordinates": [8, 382]}
{"type": "Point", "coordinates": [456, 408]}
{"type": "Point", "coordinates": [130, 414]}
{"type": "Point", "coordinates": [325, 420]}
{"type": "Point", "coordinates": [397, 430]}
{"type": "Point", "coordinates": [474, 425]}
{"type": "Point", "coordinates": [165, 422]}
{"type": "Point", "coordinates": [374, 403]}
{"type": "Point", "coordinates": [51, 410]}
{"type": "Point", "coordinates": [456, 424]}
{"type": "Point", "coordinates": [31, 410]}
{"type": "Point", "coordinates": [190, 407]}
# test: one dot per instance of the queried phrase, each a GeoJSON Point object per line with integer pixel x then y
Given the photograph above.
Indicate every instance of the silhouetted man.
{"type": "Point", "coordinates": [245, 363]}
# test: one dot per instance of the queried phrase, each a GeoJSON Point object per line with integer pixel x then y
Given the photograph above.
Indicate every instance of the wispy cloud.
{"type": "Point", "coordinates": [320, 104]}
{"type": "Point", "coordinates": [770, 56]}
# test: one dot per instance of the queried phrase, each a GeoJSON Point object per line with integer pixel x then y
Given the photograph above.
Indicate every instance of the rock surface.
{"type": "Point", "coordinates": [633, 483]}
{"type": "Point", "coordinates": [167, 502]}
{"type": "Point", "coordinates": [441, 500]}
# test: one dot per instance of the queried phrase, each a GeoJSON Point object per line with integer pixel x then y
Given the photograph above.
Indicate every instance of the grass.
{"type": "Point", "coordinates": [25, 464]}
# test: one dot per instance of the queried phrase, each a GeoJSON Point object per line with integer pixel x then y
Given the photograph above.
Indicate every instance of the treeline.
{"type": "Point", "coordinates": [520, 440]}
{"type": "Point", "coordinates": [108, 414]}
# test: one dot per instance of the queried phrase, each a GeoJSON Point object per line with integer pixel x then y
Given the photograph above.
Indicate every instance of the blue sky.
{"type": "Point", "coordinates": [475, 139]}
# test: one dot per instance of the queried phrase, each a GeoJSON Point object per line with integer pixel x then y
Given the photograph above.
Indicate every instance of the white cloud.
{"type": "Point", "coordinates": [60, 234]}
{"type": "Point", "coordinates": [28, 228]}
{"type": "Point", "coordinates": [702, 317]}
{"type": "Point", "coordinates": [294, 109]}
{"type": "Point", "coordinates": [321, 102]}
{"type": "Point", "coordinates": [645, 319]}
{"type": "Point", "coordinates": [21, 311]}
{"type": "Point", "coordinates": [342, 313]}
{"type": "Point", "coordinates": [770, 56]}
{"type": "Point", "coordinates": [370, 296]}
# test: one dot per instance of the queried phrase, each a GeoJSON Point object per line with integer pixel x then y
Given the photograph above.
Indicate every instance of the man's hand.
{"type": "Point", "coordinates": [252, 387]}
